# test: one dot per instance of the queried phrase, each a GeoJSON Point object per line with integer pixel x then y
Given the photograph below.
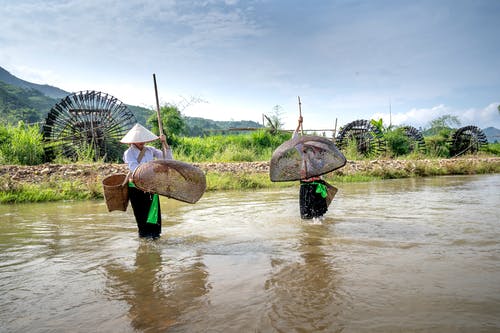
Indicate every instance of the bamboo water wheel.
{"type": "Point", "coordinates": [467, 140]}
{"type": "Point", "coordinates": [415, 137]}
{"type": "Point", "coordinates": [367, 138]}
{"type": "Point", "coordinates": [87, 122]}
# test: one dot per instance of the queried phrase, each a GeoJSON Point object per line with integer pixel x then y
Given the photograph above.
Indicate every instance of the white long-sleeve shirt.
{"type": "Point", "coordinates": [132, 153]}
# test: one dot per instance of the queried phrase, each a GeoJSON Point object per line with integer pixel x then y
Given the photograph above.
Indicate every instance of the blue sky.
{"type": "Point", "coordinates": [407, 62]}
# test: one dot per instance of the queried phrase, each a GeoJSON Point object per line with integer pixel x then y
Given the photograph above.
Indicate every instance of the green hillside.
{"type": "Point", "coordinates": [28, 105]}
{"type": "Point", "coordinates": [45, 89]}
{"type": "Point", "coordinates": [197, 126]}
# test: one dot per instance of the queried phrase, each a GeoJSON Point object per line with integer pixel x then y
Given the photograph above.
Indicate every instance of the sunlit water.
{"type": "Point", "coordinates": [413, 255]}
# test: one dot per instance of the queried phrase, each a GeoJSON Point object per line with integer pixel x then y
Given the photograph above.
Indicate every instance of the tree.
{"type": "Point", "coordinates": [172, 122]}
{"type": "Point", "coordinates": [27, 115]}
{"type": "Point", "coordinates": [379, 124]}
{"type": "Point", "coordinates": [274, 121]}
{"type": "Point", "coordinates": [444, 123]}
{"type": "Point", "coordinates": [438, 135]}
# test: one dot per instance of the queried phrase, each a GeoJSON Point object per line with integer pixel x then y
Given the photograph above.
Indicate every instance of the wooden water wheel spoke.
{"type": "Point", "coordinates": [86, 119]}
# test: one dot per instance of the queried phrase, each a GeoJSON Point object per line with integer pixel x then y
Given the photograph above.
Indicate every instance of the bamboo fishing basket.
{"type": "Point", "coordinates": [116, 191]}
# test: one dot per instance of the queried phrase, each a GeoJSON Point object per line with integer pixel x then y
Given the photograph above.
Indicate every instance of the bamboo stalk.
{"type": "Point", "coordinates": [160, 125]}
{"type": "Point", "coordinates": [300, 115]}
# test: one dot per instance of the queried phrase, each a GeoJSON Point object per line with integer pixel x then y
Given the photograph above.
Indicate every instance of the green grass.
{"type": "Point", "coordinates": [49, 191]}
{"type": "Point", "coordinates": [255, 146]}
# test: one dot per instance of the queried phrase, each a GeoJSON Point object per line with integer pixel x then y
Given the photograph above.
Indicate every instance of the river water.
{"type": "Point", "coordinates": [410, 255]}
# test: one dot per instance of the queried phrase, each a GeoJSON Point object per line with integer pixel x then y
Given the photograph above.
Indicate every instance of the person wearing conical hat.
{"type": "Point", "coordinates": [146, 206]}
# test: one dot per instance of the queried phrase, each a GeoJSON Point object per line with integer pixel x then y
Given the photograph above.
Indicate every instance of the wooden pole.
{"type": "Point", "coordinates": [300, 115]}
{"type": "Point", "coordinates": [335, 131]}
{"type": "Point", "coordinates": [160, 125]}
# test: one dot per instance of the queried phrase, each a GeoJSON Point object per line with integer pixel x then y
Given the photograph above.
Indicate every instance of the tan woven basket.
{"type": "Point", "coordinates": [116, 192]}
{"type": "Point", "coordinates": [173, 179]}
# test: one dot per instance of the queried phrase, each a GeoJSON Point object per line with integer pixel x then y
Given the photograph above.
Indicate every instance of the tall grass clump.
{"type": "Point", "coordinates": [351, 151]}
{"type": "Point", "coordinates": [21, 144]}
{"type": "Point", "coordinates": [437, 146]}
{"type": "Point", "coordinates": [256, 146]}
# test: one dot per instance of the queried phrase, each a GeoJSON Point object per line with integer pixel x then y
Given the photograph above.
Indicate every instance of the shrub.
{"type": "Point", "coordinates": [398, 143]}
{"type": "Point", "coordinates": [437, 146]}
{"type": "Point", "coordinates": [21, 144]}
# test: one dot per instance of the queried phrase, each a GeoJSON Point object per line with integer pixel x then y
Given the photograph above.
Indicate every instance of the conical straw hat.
{"type": "Point", "coordinates": [138, 133]}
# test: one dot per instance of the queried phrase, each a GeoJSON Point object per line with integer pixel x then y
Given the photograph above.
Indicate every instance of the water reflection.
{"type": "Point", "coordinates": [303, 292]}
{"type": "Point", "coordinates": [409, 255]}
{"type": "Point", "coordinates": [158, 292]}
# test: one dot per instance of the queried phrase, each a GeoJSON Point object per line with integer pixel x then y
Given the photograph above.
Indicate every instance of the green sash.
{"type": "Point", "coordinates": [153, 210]}
{"type": "Point", "coordinates": [320, 188]}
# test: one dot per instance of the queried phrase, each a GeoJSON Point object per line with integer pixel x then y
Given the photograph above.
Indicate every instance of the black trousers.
{"type": "Point", "coordinates": [141, 203]}
{"type": "Point", "coordinates": [312, 204]}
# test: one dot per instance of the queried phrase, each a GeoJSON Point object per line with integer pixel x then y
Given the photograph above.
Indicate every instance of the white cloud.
{"type": "Point", "coordinates": [346, 60]}
{"type": "Point", "coordinates": [35, 75]}
{"type": "Point", "coordinates": [482, 117]}
{"type": "Point", "coordinates": [486, 117]}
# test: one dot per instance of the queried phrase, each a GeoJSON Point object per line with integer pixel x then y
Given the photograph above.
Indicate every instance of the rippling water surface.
{"type": "Point", "coordinates": [412, 255]}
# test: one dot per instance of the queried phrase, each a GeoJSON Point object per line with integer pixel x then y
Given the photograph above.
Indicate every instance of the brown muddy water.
{"type": "Point", "coordinates": [411, 255]}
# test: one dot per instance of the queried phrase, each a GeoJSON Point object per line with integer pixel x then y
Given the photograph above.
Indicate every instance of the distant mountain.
{"type": "Point", "coordinates": [31, 102]}
{"type": "Point", "coordinates": [200, 126]}
{"type": "Point", "coordinates": [492, 134]}
{"type": "Point", "coordinates": [28, 105]}
{"type": "Point", "coordinates": [45, 89]}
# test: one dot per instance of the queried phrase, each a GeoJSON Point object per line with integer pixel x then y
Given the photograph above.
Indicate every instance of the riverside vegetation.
{"type": "Point", "coordinates": [231, 162]}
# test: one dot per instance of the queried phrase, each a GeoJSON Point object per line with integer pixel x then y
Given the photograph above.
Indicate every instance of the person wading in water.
{"type": "Point", "coordinates": [313, 191]}
{"type": "Point", "coordinates": [146, 206]}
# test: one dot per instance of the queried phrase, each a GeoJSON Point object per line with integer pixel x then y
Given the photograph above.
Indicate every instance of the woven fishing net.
{"type": "Point", "coordinates": [174, 179]}
{"type": "Point", "coordinates": [304, 157]}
